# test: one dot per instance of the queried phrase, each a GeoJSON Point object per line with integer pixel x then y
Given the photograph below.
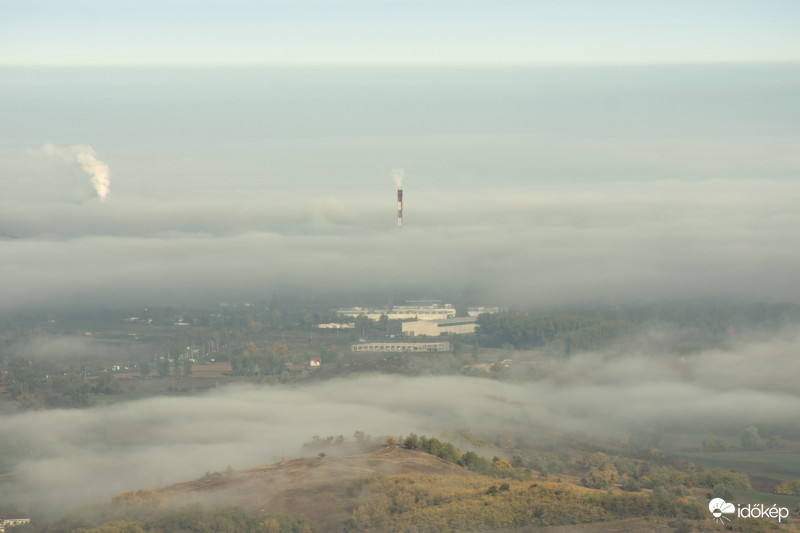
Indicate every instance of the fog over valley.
{"type": "Point", "coordinates": [156, 441]}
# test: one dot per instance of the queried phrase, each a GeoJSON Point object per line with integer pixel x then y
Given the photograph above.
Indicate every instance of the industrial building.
{"type": "Point", "coordinates": [414, 309]}
{"type": "Point", "coordinates": [434, 328]}
{"type": "Point", "coordinates": [422, 310]}
{"type": "Point", "coordinates": [9, 520]}
{"type": "Point", "coordinates": [336, 325]}
{"type": "Point", "coordinates": [373, 313]}
{"type": "Point", "coordinates": [475, 311]}
{"type": "Point", "coordinates": [401, 347]}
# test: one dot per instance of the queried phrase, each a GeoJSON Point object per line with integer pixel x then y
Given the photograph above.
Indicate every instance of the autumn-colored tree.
{"type": "Point", "coordinates": [278, 349]}
{"type": "Point", "coordinates": [712, 443]}
{"type": "Point", "coordinates": [791, 488]}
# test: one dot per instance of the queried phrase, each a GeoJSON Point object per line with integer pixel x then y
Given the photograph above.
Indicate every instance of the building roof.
{"type": "Point", "coordinates": [14, 516]}
{"type": "Point", "coordinates": [456, 321]}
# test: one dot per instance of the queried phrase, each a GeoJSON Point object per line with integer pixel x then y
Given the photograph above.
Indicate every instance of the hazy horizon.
{"type": "Point", "coordinates": [395, 33]}
{"type": "Point", "coordinates": [527, 187]}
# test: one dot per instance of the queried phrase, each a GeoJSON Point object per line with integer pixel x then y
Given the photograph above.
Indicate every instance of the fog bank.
{"type": "Point", "coordinates": [612, 243]}
{"type": "Point", "coordinates": [157, 441]}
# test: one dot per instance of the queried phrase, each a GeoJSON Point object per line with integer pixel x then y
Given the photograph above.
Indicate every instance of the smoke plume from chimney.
{"type": "Point", "coordinates": [397, 176]}
{"type": "Point", "coordinates": [85, 158]}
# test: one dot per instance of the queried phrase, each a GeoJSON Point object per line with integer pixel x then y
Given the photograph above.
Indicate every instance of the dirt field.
{"type": "Point", "coordinates": [204, 376]}
{"type": "Point", "coordinates": [199, 370]}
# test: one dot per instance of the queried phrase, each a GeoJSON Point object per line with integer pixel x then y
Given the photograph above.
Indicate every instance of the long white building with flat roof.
{"type": "Point", "coordinates": [414, 309]}
{"type": "Point", "coordinates": [401, 347]}
{"type": "Point", "coordinates": [476, 311]}
{"type": "Point", "coordinates": [434, 328]}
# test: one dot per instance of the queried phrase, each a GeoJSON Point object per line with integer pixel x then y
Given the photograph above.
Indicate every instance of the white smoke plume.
{"type": "Point", "coordinates": [85, 158]}
{"type": "Point", "coordinates": [397, 177]}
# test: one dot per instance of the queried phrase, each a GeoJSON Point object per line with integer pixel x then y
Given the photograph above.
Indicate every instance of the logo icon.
{"type": "Point", "coordinates": [719, 508]}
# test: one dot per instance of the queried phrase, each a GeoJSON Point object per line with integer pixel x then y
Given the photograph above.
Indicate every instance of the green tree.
{"type": "Point", "coordinates": [116, 527]}
{"type": "Point", "coordinates": [363, 324]}
{"type": "Point", "coordinates": [712, 443]}
{"type": "Point", "coordinates": [107, 384]}
{"type": "Point", "coordinates": [459, 348]}
{"type": "Point", "coordinates": [187, 367]}
{"type": "Point", "coordinates": [144, 369]}
{"type": "Point", "coordinates": [775, 441]}
{"type": "Point", "coordinates": [750, 440]}
{"type": "Point", "coordinates": [791, 488]}
{"type": "Point", "coordinates": [72, 389]}
{"type": "Point", "coordinates": [569, 332]}
{"type": "Point", "coordinates": [163, 367]}
{"type": "Point", "coordinates": [242, 365]}
{"type": "Point", "coordinates": [723, 491]}
{"type": "Point", "coordinates": [309, 319]}
{"type": "Point", "coordinates": [411, 442]}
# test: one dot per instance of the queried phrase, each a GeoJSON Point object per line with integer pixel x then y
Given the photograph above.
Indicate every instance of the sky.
{"type": "Point", "coordinates": [555, 153]}
{"type": "Point", "coordinates": [394, 32]}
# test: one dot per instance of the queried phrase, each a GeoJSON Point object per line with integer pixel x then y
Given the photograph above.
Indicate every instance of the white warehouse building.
{"type": "Point", "coordinates": [414, 309]}
{"type": "Point", "coordinates": [373, 313]}
{"type": "Point", "coordinates": [401, 347]}
{"type": "Point", "coordinates": [475, 311]}
{"type": "Point", "coordinates": [435, 328]}
{"type": "Point", "coordinates": [422, 310]}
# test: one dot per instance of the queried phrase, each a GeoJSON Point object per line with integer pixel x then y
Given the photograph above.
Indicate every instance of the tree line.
{"type": "Point", "coordinates": [569, 333]}
{"type": "Point", "coordinates": [140, 513]}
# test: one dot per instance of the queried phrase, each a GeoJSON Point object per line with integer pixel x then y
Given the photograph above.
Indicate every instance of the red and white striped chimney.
{"type": "Point", "coordinates": [399, 208]}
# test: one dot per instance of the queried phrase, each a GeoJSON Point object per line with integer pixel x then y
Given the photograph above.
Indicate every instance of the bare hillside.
{"type": "Point", "coordinates": [322, 489]}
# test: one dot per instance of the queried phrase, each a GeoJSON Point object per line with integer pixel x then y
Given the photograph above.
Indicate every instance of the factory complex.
{"type": "Point", "coordinates": [420, 318]}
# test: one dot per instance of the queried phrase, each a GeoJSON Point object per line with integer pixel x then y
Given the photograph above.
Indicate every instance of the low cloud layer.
{"type": "Point", "coordinates": [157, 441]}
{"type": "Point", "coordinates": [527, 187]}
{"type": "Point", "coordinates": [612, 243]}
